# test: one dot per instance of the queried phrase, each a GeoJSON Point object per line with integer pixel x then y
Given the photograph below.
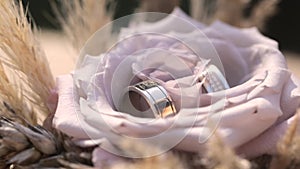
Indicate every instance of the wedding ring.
{"type": "Point", "coordinates": [147, 99]}
{"type": "Point", "coordinates": [213, 80]}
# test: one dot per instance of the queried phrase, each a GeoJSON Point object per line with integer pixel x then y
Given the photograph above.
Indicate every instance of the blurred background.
{"type": "Point", "coordinates": [281, 24]}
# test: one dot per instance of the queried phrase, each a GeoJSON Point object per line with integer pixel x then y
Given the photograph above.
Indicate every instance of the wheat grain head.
{"type": "Point", "coordinates": [24, 66]}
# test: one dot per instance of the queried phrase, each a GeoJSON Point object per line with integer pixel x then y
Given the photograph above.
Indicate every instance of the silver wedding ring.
{"type": "Point", "coordinates": [147, 99]}
{"type": "Point", "coordinates": [212, 79]}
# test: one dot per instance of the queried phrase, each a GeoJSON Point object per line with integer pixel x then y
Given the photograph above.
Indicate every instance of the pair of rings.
{"type": "Point", "coordinates": [148, 99]}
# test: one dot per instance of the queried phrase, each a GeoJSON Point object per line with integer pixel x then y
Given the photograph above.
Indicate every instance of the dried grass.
{"type": "Point", "coordinates": [80, 19]}
{"type": "Point", "coordinates": [27, 146]}
{"type": "Point", "coordinates": [262, 12]}
{"type": "Point", "coordinates": [203, 10]}
{"type": "Point", "coordinates": [25, 73]}
{"type": "Point", "coordinates": [12, 96]}
{"type": "Point", "coordinates": [223, 157]}
{"type": "Point", "coordinates": [158, 6]}
{"type": "Point", "coordinates": [288, 149]}
{"type": "Point", "coordinates": [231, 12]}
{"type": "Point", "coordinates": [167, 160]}
{"type": "Point", "coordinates": [218, 156]}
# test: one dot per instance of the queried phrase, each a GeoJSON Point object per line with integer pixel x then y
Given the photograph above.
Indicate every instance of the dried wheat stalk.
{"type": "Point", "coordinates": [27, 146]}
{"type": "Point", "coordinates": [158, 6]}
{"type": "Point", "coordinates": [231, 12]}
{"type": "Point", "coordinates": [223, 157]}
{"type": "Point", "coordinates": [288, 149]}
{"type": "Point", "coordinates": [262, 12]}
{"type": "Point", "coordinates": [167, 160]}
{"type": "Point", "coordinates": [13, 97]}
{"type": "Point", "coordinates": [80, 19]}
{"type": "Point", "coordinates": [25, 73]}
{"type": "Point", "coordinates": [203, 10]}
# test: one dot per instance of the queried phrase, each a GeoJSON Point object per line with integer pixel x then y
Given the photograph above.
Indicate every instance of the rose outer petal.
{"type": "Point", "coordinates": [67, 116]}
{"type": "Point", "coordinates": [267, 142]}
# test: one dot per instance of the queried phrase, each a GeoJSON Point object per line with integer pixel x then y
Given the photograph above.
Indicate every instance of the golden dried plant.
{"type": "Point", "coordinates": [158, 6]}
{"type": "Point", "coordinates": [25, 72]}
{"type": "Point", "coordinates": [81, 19]}
{"type": "Point", "coordinates": [262, 12]}
{"type": "Point", "coordinates": [10, 95]}
{"type": "Point", "coordinates": [229, 11]}
{"type": "Point", "coordinates": [166, 160]}
{"type": "Point", "coordinates": [223, 157]}
{"type": "Point", "coordinates": [288, 148]}
{"type": "Point", "coordinates": [232, 12]}
{"type": "Point", "coordinates": [27, 146]}
{"type": "Point", "coordinates": [202, 10]}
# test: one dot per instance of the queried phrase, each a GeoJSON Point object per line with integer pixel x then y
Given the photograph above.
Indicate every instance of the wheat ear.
{"type": "Point", "coordinates": [24, 68]}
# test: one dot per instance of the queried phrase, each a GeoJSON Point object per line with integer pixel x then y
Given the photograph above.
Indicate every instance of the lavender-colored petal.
{"type": "Point", "coordinates": [266, 143]}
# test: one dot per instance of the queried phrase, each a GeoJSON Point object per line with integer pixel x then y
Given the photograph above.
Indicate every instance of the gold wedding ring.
{"type": "Point", "coordinates": [147, 99]}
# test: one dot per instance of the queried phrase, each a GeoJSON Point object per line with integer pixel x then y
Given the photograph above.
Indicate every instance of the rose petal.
{"type": "Point", "coordinates": [67, 115]}
{"type": "Point", "coordinates": [266, 143]}
{"type": "Point", "coordinates": [242, 37]}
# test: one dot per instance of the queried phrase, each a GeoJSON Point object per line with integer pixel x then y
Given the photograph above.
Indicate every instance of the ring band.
{"type": "Point", "coordinates": [147, 99]}
{"type": "Point", "coordinates": [212, 79]}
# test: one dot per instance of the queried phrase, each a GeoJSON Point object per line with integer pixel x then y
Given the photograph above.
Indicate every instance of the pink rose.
{"type": "Point", "coordinates": [254, 112]}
